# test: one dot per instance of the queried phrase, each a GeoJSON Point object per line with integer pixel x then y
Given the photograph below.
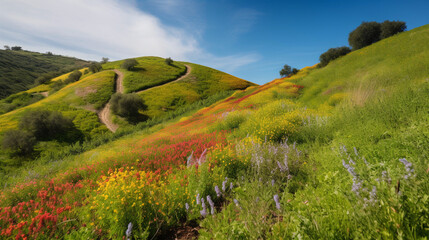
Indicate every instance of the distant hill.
{"type": "Point", "coordinates": [19, 69]}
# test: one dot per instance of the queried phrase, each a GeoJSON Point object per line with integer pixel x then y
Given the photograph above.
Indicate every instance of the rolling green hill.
{"type": "Point", "coordinates": [19, 69]}
{"type": "Point", "coordinates": [339, 152]}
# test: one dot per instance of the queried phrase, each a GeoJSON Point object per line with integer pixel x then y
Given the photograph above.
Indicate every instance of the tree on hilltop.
{"type": "Point", "coordinates": [169, 61]}
{"type": "Point", "coordinates": [129, 64]}
{"type": "Point", "coordinates": [288, 70]}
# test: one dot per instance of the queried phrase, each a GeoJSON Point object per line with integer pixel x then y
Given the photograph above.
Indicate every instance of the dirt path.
{"type": "Point", "coordinates": [119, 81]}
{"type": "Point", "coordinates": [188, 71]}
{"type": "Point", "coordinates": [104, 114]}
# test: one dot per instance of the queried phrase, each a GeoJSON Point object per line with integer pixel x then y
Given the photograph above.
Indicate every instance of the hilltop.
{"type": "Point", "coordinates": [19, 68]}
{"type": "Point", "coordinates": [338, 152]}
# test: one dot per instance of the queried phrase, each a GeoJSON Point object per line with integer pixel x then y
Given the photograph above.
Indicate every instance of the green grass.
{"type": "Point", "coordinates": [398, 60]}
{"type": "Point", "coordinates": [201, 83]}
{"type": "Point", "coordinates": [77, 101]}
{"type": "Point", "coordinates": [19, 69]}
{"type": "Point", "coordinates": [150, 72]}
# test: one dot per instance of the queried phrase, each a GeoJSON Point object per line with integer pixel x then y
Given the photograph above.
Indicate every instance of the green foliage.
{"type": "Point", "coordinates": [127, 105]}
{"type": "Point", "coordinates": [104, 60]}
{"type": "Point", "coordinates": [46, 125]}
{"type": "Point", "coordinates": [129, 64]}
{"type": "Point", "coordinates": [73, 77]}
{"type": "Point", "coordinates": [286, 71]}
{"type": "Point", "coordinates": [370, 32]}
{"type": "Point", "coordinates": [16, 48]}
{"type": "Point", "coordinates": [367, 72]}
{"type": "Point", "coordinates": [20, 69]}
{"type": "Point", "coordinates": [332, 54]}
{"type": "Point", "coordinates": [364, 35]}
{"type": "Point", "coordinates": [231, 120]}
{"type": "Point", "coordinates": [19, 142]}
{"type": "Point", "coordinates": [94, 67]}
{"type": "Point", "coordinates": [18, 100]}
{"type": "Point", "coordinates": [390, 28]}
{"type": "Point", "coordinates": [169, 61]}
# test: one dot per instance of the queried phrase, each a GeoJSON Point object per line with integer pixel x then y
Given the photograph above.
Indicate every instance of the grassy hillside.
{"type": "Point", "coordinates": [201, 83]}
{"type": "Point", "coordinates": [77, 101]}
{"type": "Point", "coordinates": [19, 69]}
{"type": "Point", "coordinates": [297, 157]}
{"type": "Point", "coordinates": [149, 72]}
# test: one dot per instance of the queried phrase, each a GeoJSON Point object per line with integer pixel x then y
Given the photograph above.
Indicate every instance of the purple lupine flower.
{"type": "Point", "coordinates": [129, 230]}
{"type": "Point", "coordinates": [211, 203]}
{"type": "Point", "coordinates": [281, 167]}
{"type": "Point", "coordinates": [198, 199]}
{"type": "Point", "coordinates": [350, 169]}
{"type": "Point", "coordinates": [257, 199]}
{"type": "Point", "coordinates": [187, 206]}
{"type": "Point", "coordinates": [224, 186]}
{"type": "Point", "coordinates": [276, 199]}
{"type": "Point", "coordinates": [408, 167]}
{"type": "Point", "coordinates": [272, 182]}
{"type": "Point", "coordinates": [231, 186]}
{"type": "Point", "coordinates": [356, 186]}
{"type": "Point", "coordinates": [204, 211]}
{"type": "Point", "coordinates": [218, 192]}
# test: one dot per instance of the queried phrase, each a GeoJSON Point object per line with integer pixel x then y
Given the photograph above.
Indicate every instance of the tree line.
{"type": "Point", "coordinates": [364, 35]}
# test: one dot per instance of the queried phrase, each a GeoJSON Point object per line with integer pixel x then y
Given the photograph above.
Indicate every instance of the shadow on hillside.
{"type": "Point", "coordinates": [136, 119]}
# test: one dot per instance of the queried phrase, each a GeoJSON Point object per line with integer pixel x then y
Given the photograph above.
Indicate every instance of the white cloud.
{"type": "Point", "coordinates": [92, 29]}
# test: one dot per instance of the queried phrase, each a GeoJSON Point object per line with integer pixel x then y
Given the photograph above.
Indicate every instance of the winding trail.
{"type": "Point", "coordinates": [104, 114]}
{"type": "Point", "coordinates": [188, 71]}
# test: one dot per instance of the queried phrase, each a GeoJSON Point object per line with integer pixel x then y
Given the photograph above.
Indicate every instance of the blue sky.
{"type": "Point", "coordinates": [250, 39]}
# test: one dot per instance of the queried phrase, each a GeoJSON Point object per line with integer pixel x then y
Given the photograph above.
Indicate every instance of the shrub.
{"type": "Point", "coordinates": [129, 64]}
{"type": "Point", "coordinates": [127, 105]}
{"type": "Point", "coordinates": [73, 77]}
{"type": "Point", "coordinates": [16, 48]}
{"type": "Point", "coordinates": [231, 120]}
{"type": "Point", "coordinates": [390, 28]}
{"type": "Point", "coordinates": [366, 34]}
{"type": "Point", "coordinates": [169, 61]}
{"type": "Point", "coordinates": [46, 125]}
{"type": "Point", "coordinates": [94, 67]}
{"type": "Point", "coordinates": [370, 32]}
{"type": "Point", "coordinates": [104, 60]}
{"type": "Point", "coordinates": [333, 53]}
{"type": "Point", "coordinates": [19, 142]}
{"type": "Point", "coordinates": [287, 70]}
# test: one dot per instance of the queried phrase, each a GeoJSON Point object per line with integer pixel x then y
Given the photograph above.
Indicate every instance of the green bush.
{"type": "Point", "coordinates": [390, 28]}
{"type": "Point", "coordinates": [333, 53]}
{"type": "Point", "coordinates": [94, 67]}
{"type": "Point", "coordinates": [127, 105]}
{"type": "Point", "coordinates": [169, 61]}
{"type": "Point", "coordinates": [366, 34]}
{"type": "Point", "coordinates": [129, 64]}
{"type": "Point", "coordinates": [46, 125]}
{"type": "Point", "coordinates": [73, 77]}
{"type": "Point", "coordinates": [18, 142]}
{"type": "Point", "coordinates": [370, 32]}
{"type": "Point", "coordinates": [231, 120]}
